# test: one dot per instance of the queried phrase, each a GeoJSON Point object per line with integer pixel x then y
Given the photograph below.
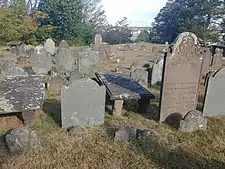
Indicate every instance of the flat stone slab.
{"type": "Point", "coordinates": [23, 93]}
{"type": "Point", "coordinates": [123, 87]}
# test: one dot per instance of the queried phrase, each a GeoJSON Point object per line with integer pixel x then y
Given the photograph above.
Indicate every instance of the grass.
{"type": "Point", "coordinates": [168, 149]}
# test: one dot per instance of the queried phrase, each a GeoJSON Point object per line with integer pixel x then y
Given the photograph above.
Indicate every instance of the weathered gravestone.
{"type": "Point", "coordinates": [55, 83]}
{"type": "Point", "coordinates": [94, 57]}
{"type": "Point", "coordinates": [41, 60]}
{"type": "Point", "coordinates": [98, 41]}
{"type": "Point", "coordinates": [157, 69]}
{"type": "Point", "coordinates": [85, 64]}
{"type": "Point", "coordinates": [80, 107]}
{"type": "Point", "coordinates": [64, 44]}
{"type": "Point", "coordinates": [215, 95]}
{"type": "Point", "coordinates": [50, 46]}
{"type": "Point", "coordinates": [140, 74]}
{"type": "Point", "coordinates": [217, 59]}
{"type": "Point", "coordinates": [206, 61]}
{"type": "Point", "coordinates": [14, 53]}
{"type": "Point", "coordinates": [65, 60]}
{"type": "Point", "coordinates": [181, 79]}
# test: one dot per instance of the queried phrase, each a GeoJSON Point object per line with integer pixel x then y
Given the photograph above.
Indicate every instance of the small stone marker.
{"type": "Point", "coordinates": [64, 44]}
{"type": "Point", "coordinates": [140, 74]}
{"type": "Point", "coordinates": [98, 41]}
{"type": "Point", "coordinates": [50, 46]}
{"type": "Point", "coordinates": [157, 70]}
{"type": "Point", "coordinates": [215, 95]}
{"type": "Point", "coordinates": [181, 78]}
{"type": "Point", "coordinates": [65, 61]}
{"type": "Point", "coordinates": [193, 121]}
{"type": "Point", "coordinates": [41, 60]}
{"type": "Point", "coordinates": [80, 107]}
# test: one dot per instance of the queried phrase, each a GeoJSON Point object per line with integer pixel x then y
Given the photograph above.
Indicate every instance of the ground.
{"type": "Point", "coordinates": [170, 149]}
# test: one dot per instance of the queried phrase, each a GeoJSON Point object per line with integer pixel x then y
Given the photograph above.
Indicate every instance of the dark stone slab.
{"type": "Point", "coordinates": [123, 87]}
{"type": "Point", "coordinates": [21, 93]}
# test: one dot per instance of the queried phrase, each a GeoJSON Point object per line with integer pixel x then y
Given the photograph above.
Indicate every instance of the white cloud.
{"type": "Point", "coordinates": [140, 12]}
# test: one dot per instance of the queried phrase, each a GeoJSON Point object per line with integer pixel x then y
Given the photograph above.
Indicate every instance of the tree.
{"type": "Point", "coordinates": [197, 16]}
{"type": "Point", "coordinates": [143, 36]}
{"type": "Point", "coordinates": [118, 34]}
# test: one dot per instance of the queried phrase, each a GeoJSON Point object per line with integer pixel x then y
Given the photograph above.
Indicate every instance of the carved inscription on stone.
{"type": "Point", "coordinates": [181, 78]}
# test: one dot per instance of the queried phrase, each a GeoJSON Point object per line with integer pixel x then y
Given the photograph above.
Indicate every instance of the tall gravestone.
{"type": "Point", "coordinates": [80, 106]}
{"type": "Point", "coordinates": [157, 69]}
{"type": "Point", "coordinates": [215, 95]}
{"type": "Point", "coordinates": [181, 75]}
{"type": "Point", "coordinates": [41, 60]}
{"type": "Point", "coordinates": [206, 61]}
{"type": "Point", "coordinates": [98, 41]}
{"type": "Point", "coordinates": [217, 59]}
{"type": "Point", "coordinates": [50, 46]}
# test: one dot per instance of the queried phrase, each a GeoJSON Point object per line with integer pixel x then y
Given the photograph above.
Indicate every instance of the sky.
{"type": "Point", "coordinates": [138, 12]}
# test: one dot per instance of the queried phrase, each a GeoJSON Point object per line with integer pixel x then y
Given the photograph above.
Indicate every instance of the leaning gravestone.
{"type": "Point", "coordinates": [41, 60]}
{"type": "Point", "coordinates": [140, 74]}
{"type": "Point", "coordinates": [64, 60]}
{"type": "Point", "coordinates": [50, 46]}
{"type": "Point", "coordinates": [80, 106]}
{"type": "Point", "coordinates": [215, 95]}
{"type": "Point", "coordinates": [64, 44]}
{"type": "Point", "coordinates": [181, 78]}
{"type": "Point", "coordinates": [98, 41]}
{"type": "Point", "coordinates": [157, 72]}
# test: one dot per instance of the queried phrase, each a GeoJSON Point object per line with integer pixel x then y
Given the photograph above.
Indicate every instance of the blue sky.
{"type": "Point", "coordinates": [138, 12]}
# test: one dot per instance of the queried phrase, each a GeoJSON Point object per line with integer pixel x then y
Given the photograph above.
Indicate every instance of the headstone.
{"type": "Point", "coordinates": [85, 65]}
{"type": "Point", "coordinates": [206, 61]}
{"type": "Point", "coordinates": [181, 78]}
{"type": "Point", "coordinates": [157, 70]}
{"type": "Point", "coordinates": [65, 60]}
{"type": "Point", "coordinates": [55, 83]}
{"type": "Point", "coordinates": [193, 121]}
{"type": "Point", "coordinates": [21, 138]}
{"type": "Point", "coordinates": [74, 75]}
{"type": "Point", "coordinates": [80, 107]}
{"type": "Point", "coordinates": [215, 95]}
{"type": "Point", "coordinates": [98, 41]}
{"type": "Point", "coordinates": [50, 46]}
{"type": "Point", "coordinates": [28, 48]}
{"type": "Point", "coordinates": [14, 53]}
{"type": "Point", "coordinates": [94, 57]}
{"type": "Point", "coordinates": [41, 60]}
{"type": "Point", "coordinates": [217, 59]}
{"type": "Point", "coordinates": [64, 44]}
{"type": "Point", "coordinates": [140, 74]}
{"type": "Point", "coordinates": [22, 50]}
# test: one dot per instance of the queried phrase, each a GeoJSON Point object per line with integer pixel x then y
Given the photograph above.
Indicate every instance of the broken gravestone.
{"type": "Point", "coordinates": [140, 74]}
{"type": "Point", "coordinates": [215, 95]}
{"type": "Point", "coordinates": [50, 46]}
{"type": "Point", "coordinates": [80, 106]}
{"type": "Point", "coordinates": [21, 138]}
{"type": "Point", "coordinates": [193, 121]}
{"type": "Point", "coordinates": [41, 60]}
{"type": "Point", "coordinates": [181, 79]}
{"type": "Point", "coordinates": [65, 60]}
{"type": "Point", "coordinates": [157, 70]}
{"type": "Point", "coordinates": [64, 44]}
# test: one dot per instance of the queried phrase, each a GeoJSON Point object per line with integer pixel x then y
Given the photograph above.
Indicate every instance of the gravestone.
{"type": "Point", "coordinates": [28, 48]}
{"type": "Point", "coordinates": [85, 64]}
{"type": "Point", "coordinates": [50, 46]}
{"type": "Point", "coordinates": [206, 61]}
{"type": "Point", "coordinates": [157, 70]}
{"type": "Point", "coordinates": [215, 95]}
{"type": "Point", "coordinates": [217, 59]}
{"type": "Point", "coordinates": [98, 41]}
{"type": "Point", "coordinates": [74, 75]}
{"type": "Point", "coordinates": [64, 44]}
{"type": "Point", "coordinates": [94, 57]}
{"type": "Point", "coordinates": [55, 83]}
{"type": "Point", "coordinates": [80, 107]}
{"type": "Point", "coordinates": [14, 53]}
{"type": "Point", "coordinates": [41, 60]}
{"type": "Point", "coordinates": [65, 60]}
{"type": "Point", "coordinates": [140, 74]}
{"type": "Point", "coordinates": [181, 78]}
{"type": "Point", "coordinates": [22, 50]}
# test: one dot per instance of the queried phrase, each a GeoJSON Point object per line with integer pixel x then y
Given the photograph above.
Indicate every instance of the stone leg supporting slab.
{"type": "Point", "coordinates": [118, 105]}
{"type": "Point", "coordinates": [143, 105]}
{"type": "Point", "coordinates": [28, 118]}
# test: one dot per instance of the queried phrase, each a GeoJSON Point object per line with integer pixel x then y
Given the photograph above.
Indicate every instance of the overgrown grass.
{"type": "Point", "coordinates": [169, 149]}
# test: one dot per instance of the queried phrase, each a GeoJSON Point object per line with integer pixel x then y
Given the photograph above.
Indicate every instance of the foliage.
{"type": "Point", "coordinates": [118, 34]}
{"type": "Point", "coordinates": [143, 36]}
{"type": "Point", "coordinates": [199, 16]}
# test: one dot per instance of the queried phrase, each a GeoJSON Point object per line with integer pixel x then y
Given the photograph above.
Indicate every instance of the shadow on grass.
{"type": "Point", "coordinates": [174, 158]}
{"type": "Point", "coordinates": [52, 108]}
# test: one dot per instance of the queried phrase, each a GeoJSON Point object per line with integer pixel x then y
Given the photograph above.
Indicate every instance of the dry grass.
{"type": "Point", "coordinates": [97, 149]}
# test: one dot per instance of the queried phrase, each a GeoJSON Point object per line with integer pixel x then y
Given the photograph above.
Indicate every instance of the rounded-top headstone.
{"type": "Point", "coordinates": [50, 46]}
{"type": "Point", "coordinates": [64, 44]}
